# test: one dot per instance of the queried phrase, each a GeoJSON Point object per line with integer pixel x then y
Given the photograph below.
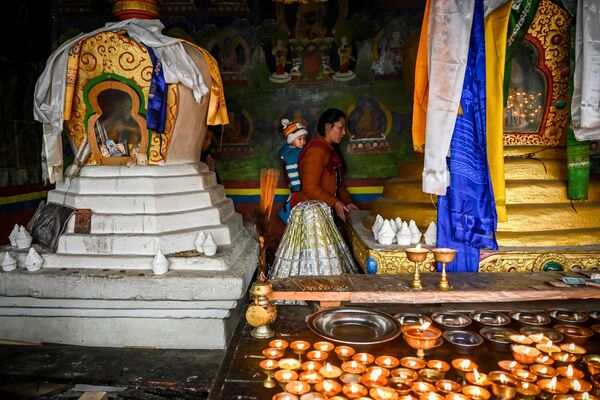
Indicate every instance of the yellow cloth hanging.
{"type": "Point", "coordinates": [71, 79]}
{"type": "Point", "coordinates": [217, 109]}
{"type": "Point", "coordinates": [496, 26]}
{"type": "Point", "coordinates": [421, 94]}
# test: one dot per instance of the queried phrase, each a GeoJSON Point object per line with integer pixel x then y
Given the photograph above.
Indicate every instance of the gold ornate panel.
{"type": "Point", "coordinates": [550, 34]}
{"type": "Point", "coordinates": [111, 55]}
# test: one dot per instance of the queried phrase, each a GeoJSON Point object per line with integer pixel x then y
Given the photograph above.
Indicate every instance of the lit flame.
{"type": "Point", "coordinates": [552, 384]}
{"type": "Point", "coordinates": [525, 385]}
{"type": "Point", "coordinates": [300, 345]}
{"type": "Point", "coordinates": [375, 374]}
{"type": "Point", "coordinates": [270, 363]}
{"type": "Point", "coordinates": [544, 359]}
{"type": "Point", "coordinates": [317, 354]}
{"type": "Point", "coordinates": [447, 386]}
{"type": "Point", "coordinates": [387, 361]}
{"type": "Point", "coordinates": [464, 364]}
{"type": "Point", "coordinates": [527, 351]}
{"type": "Point", "coordinates": [286, 376]}
{"type": "Point", "coordinates": [544, 370]}
{"type": "Point", "coordinates": [537, 337]}
{"type": "Point", "coordinates": [549, 344]}
{"type": "Point", "coordinates": [503, 379]}
{"type": "Point", "coordinates": [328, 368]}
{"type": "Point", "coordinates": [425, 326]}
{"type": "Point", "coordinates": [570, 371]}
{"type": "Point", "coordinates": [572, 347]}
{"type": "Point", "coordinates": [476, 374]}
{"type": "Point", "coordinates": [512, 364]}
{"type": "Point", "coordinates": [354, 388]}
{"type": "Point", "coordinates": [585, 396]}
{"type": "Point", "coordinates": [354, 364]}
{"type": "Point", "coordinates": [327, 386]}
{"type": "Point", "coordinates": [344, 351]}
{"type": "Point", "coordinates": [576, 385]}
{"type": "Point", "coordinates": [381, 393]}
{"type": "Point", "coordinates": [418, 246]}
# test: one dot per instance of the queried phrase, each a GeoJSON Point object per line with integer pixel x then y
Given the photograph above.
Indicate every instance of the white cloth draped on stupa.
{"type": "Point", "coordinates": [49, 95]}
{"type": "Point", "coordinates": [312, 245]}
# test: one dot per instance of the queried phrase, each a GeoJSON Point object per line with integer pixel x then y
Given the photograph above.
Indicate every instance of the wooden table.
{"type": "Point", "coordinates": [467, 288]}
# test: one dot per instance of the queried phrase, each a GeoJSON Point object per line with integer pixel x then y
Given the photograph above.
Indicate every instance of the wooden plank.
{"type": "Point", "coordinates": [94, 396]}
{"type": "Point", "coordinates": [467, 287]}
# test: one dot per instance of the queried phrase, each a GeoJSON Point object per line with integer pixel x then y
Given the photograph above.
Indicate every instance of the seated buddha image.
{"type": "Point", "coordinates": [236, 131]}
{"type": "Point", "coordinates": [367, 121]}
{"type": "Point", "coordinates": [310, 21]}
{"type": "Point", "coordinates": [231, 55]}
{"type": "Point", "coordinates": [396, 51]}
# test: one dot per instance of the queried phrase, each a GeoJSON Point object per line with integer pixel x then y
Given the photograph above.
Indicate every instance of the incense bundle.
{"type": "Point", "coordinates": [268, 185]}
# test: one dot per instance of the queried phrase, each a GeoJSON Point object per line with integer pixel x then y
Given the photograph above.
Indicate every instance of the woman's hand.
{"type": "Point", "coordinates": [340, 210]}
{"type": "Point", "coordinates": [351, 207]}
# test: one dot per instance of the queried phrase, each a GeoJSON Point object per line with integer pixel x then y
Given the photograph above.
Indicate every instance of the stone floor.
{"type": "Point", "coordinates": [65, 372]}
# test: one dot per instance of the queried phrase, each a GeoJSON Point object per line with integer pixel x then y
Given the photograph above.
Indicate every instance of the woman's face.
{"type": "Point", "coordinates": [335, 133]}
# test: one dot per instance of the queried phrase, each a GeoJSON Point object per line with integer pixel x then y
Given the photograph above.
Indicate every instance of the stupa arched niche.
{"type": "Point", "coordinates": [544, 227]}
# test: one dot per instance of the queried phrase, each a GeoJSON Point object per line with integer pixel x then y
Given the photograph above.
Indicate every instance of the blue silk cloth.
{"type": "Point", "coordinates": [156, 115]}
{"type": "Point", "coordinates": [467, 214]}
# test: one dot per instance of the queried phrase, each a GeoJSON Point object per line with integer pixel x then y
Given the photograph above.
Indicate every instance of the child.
{"type": "Point", "coordinates": [295, 134]}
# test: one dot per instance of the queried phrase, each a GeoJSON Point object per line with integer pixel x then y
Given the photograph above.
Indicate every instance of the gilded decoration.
{"type": "Point", "coordinates": [394, 261]}
{"type": "Point", "coordinates": [550, 34]}
{"type": "Point", "coordinates": [111, 54]}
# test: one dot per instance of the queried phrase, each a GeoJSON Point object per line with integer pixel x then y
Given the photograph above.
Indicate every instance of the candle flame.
{"type": "Point", "coordinates": [503, 379]}
{"type": "Point", "coordinates": [544, 370]}
{"type": "Point", "coordinates": [300, 345]}
{"type": "Point", "coordinates": [447, 386]}
{"type": "Point", "coordinates": [354, 364]}
{"type": "Point", "coordinates": [585, 396]}
{"type": "Point", "coordinates": [552, 384]}
{"type": "Point", "coordinates": [418, 246]}
{"type": "Point", "coordinates": [537, 337]}
{"type": "Point", "coordinates": [564, 357]}
{"type": "Point", "coordinates": [464, 364]}
{"type": "Point", "coordinates": [353, 388]}
{"type": "Point", "coordinates": [375, 374]}
{"type": "Point", "coordinates": [572, 347]}
{"type": "Point", "coordinates": [270, 363]}
{"type": "Point", "coordinates": [544, 359]}
{"type": "Point", "coordinates": [327, 386]}
{"type": "Point", "coordinates": [576, 385]}
{"type": "Point", "coordinates": [387, 361]}
{"type": "Point", "coordinates": [286, 376]}
{"type": "Point", "coordinates": [476, 374]}
{"type": "Point", "coordinates": [525, 385]}
{"type": "Point", "coordinates": [328, 367]}
{"type": "Point", "coordinates": [570, 371]}
{"type": "Point", "coordinates": [381, 393]}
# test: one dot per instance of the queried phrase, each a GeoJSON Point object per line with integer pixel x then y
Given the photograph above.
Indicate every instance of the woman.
{"type": "Point", "coordinates": [312, 244]}
{"type": "Point", "coordinates": [321, 166]}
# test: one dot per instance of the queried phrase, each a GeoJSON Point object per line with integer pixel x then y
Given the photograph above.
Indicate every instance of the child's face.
{"type": "Point", "coordinates": [299, 142]}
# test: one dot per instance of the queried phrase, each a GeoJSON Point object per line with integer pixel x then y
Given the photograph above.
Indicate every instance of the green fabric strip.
{"type": "Point", "coordinates": [520, 18]}
{"type": "Point", "coordinates": [578, 153]}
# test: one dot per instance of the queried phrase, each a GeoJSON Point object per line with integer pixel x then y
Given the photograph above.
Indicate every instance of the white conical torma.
{"type": "Point", "coordinates": [398, 222]}
{"type": "Point", "coordinates": [377, 226]}
{"type": "Point", "coordinates": [13, 235]}
{"type": "Point", "coordinates": [7, 262]}
{"type": "Point", "coordinates": [200, 241]}
{"type": "Point", "coordinates": [386, 234]}
{"type": "Point", "coordinates": [160, 264]}
{"type": "Point", "coordinates": [414, 231]}
{"type": "Point", "coordinates": [23, 238]}
{"type": "Point", "coordinates": [34, 261]}
{"type": "Point", "coordinates": [393, 226]}
{"type": "Point", "coordinates": [431, 234]}
{"type": "Point", "coordinates": [209, 246]}
{"type": "Point", "coordinates": [404, 237]}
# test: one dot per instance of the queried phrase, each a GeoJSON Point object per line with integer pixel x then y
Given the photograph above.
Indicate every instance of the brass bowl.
{"type": "Point", "coordinates": [530, 318]}
{"type": "Point", "coordinates": [464, 342]}
{"type": "Point", "coordinates": [405, 374]}
{"type": "Point", "coordinates": [574, 333]}
{"type": "Point", "coordinates": [568, 317]}
{"type": "Point", "coordinates": [451, 320]}
{"type": "Point", "coordinates": [498, 338]}
{"type": "Point", "coordinates": [551, 334]}
{"type": "Point", "coordinates": [430, 375]}
{"type": "Point", "coordinates": [490, 318]}
{"type": "Point", "coordinates": [444, 255]}
{"type": "Point", "coordinates": [593, 363]}
{"type": "Point", "coordinates": [447, 386]}
{"type": "Point", "coordinates": [416, 254]}
{"type": "Point", "coordinates": [594, 315]}
{"type": "Point", "coordinates": [596, 329]}
{"type": "Point", "coordinates": [421, 341]}
{"type": "Point", "coordinates": [412, 318]}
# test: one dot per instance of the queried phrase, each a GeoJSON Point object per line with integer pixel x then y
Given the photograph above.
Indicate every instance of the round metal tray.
{"type": "Point", "coordinates": [354, 325]}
